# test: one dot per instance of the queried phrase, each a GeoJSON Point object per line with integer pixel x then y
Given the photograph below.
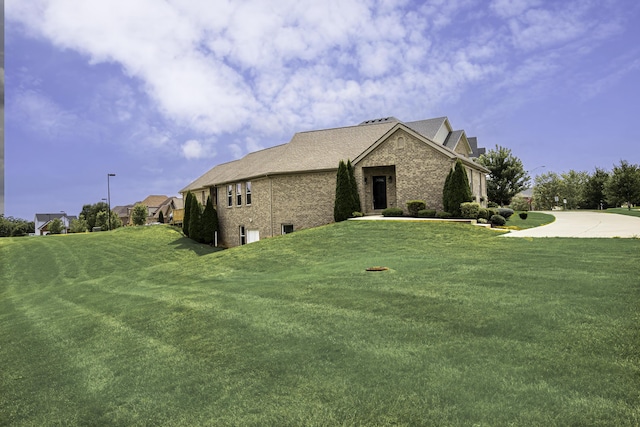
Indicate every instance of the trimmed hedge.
{"type": "Point", "coordinates": [444, 215]}
{"type": "Point", "coordinates": [470, 210]}
{"type": "Point", "coordinates": [426, 213]}
{"type": "Point", "coordinates": [505, 212]}
{"type": "Point", "coordinates": [414, 206]}
{"type": "Point", "coordinates": [392, 212]}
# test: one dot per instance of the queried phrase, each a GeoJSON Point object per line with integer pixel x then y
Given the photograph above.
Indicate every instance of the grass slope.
{"type": "Point", "coordinates": [143, 327]}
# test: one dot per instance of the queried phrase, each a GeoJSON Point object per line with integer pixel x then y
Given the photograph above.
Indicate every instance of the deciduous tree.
{"type": "Point", "coordinates": [624, 184]}
{"type": "Point", "coordinates": [139, 214]}
{"type": "Point", "coordinates": [594, 190]}
{"type": "Point", "coordinates": [507, 177]}
{"type": "Point", "coordinates": [546, 187]}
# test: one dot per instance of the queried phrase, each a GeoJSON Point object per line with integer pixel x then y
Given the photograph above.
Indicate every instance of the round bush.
{"type": "Point", "coordinates": [414, 206]}
{"type": "Point", "coordinates": [523, 215]}
{"type": "Point", "coordinates": [482, 221]}
{"type": "Point", "coordinates": [498, 220]}
{"type": "Point", "coordinates": [505, 212]}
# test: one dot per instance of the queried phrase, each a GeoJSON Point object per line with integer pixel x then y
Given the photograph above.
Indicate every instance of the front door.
{"type": "Point", "coordinates": [379, 192]}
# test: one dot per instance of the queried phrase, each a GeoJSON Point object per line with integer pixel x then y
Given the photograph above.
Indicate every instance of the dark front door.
{"type": "Point", "coordinates": [379, 192]}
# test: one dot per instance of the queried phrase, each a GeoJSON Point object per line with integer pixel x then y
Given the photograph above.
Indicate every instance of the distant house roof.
{"type": "Point", "coordinates": [46, 217]}
{"type": "Point", "coordinates": [154, 201]}
{"type": "Point", "coordinates": [317, 150]}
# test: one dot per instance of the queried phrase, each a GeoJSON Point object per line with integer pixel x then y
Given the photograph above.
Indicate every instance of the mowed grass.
{"type": "Point", "coordinates": [534, 219]}
{"type": "Point", "coordinates": [143, 327]}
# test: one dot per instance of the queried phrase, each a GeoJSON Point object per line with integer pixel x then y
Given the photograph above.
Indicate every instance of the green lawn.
{"type": "Point", "coordinates": [534, 219]}
{"type": "Point", "coordinates": [625, 211]}
{"type": "Point", "coordinates": [142, 327]}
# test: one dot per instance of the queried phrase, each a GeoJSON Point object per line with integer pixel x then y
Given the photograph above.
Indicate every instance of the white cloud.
{"type": "Point", "coordinates": [192, 149]}
{"type": "Point", "coordinates": [268, 69]}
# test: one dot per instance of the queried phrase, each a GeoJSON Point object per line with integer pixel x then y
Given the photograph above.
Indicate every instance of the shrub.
{"type": "Point", "coordinates": [414, 206]}
{"type": "Point", "coordinates": [523, 215]}
{"type": "Point", "coordinates": [505, 212]}
{"type": "Point", "coordinates": [426, 213]}
{"type": "Point", "coordinates": [498, 220]}
{"type": "Point", "coordinates": [492, 205]}
{"type": "Point", "coordinates": [484, 213]}
{"type": "Point", "coordinates": [491, 212]}
{"type": "Point", "coordinates": [357, 214]}
{"type": "Point", "coordinates": [444, 215]}
{"type": "Point", "coordinates": [392, 212]}
{"type": "Point", "coordinates": [482, 221]}
{"type": "Point", "coordinates": [470, 210]}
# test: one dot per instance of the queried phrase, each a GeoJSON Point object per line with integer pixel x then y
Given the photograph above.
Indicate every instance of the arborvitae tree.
{"type": "Point", "coordinates": [195, 220]}
{"type": "Point", "coordinates": [161, 218]}
{"type": "Point", "coordinates": [357, 207]}
{"type": "Point", "coordinates": [456, 190]}
{"type": "Point", "coordinates": [208, 222]}
{"type": "Point", "coordinates": [342, 208]}
{"type": "Point", "coordinates": [187, 213]}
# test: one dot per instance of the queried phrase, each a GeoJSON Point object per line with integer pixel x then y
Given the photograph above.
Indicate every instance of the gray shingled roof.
{"type": "Point", "coordinates": [428, 127]}
{"type": "Point", "coordinates": [452, 139]}
{"type": "Point", "coordinates": [315, 151]}
{"type": "Point", "coordinates": [307, 151]}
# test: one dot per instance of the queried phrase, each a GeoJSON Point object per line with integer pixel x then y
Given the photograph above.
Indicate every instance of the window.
{"type": "Point", "coordinates": [247, 188]}
{"type": "Point", "coordinates": [287, 228]}
{"type": "Point", "coordinates": [243, 235]}
{"type": "Point", "coordinates": [229, 195]}
{"type": "Point", "coordinates": [238, 194]}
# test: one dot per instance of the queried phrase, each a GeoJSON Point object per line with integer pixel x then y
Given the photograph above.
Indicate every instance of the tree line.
{"type": "Point", "coordinates": [598, 190]}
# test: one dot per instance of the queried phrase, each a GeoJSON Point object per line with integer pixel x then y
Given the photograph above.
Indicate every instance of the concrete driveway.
{"type": "Point", "coordinates": [584, 224]}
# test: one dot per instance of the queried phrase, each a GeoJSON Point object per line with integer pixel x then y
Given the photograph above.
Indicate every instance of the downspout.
{"type": "Point", "coordinates": [270, 202]}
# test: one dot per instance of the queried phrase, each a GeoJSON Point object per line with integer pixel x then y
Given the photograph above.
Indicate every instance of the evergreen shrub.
{"type": "Point", "coordinates": [505, 212]}
{"type": "Point", "coordinates": [470, 210]}
{"type": "Point", "coordinates": [414, 206]}
{"type": "Point", "coordinates": [523, 215]}
{"type": "Point", "coordinates": [498, 220]}
{"type": "Point", "coordinates": [444, 215]}
{"type": "Point", "coordinates": [483, 213]}
{"type": "Point", "coordinates": [426, 213]}
{"type": "Point", "coordinates": [392, 212]}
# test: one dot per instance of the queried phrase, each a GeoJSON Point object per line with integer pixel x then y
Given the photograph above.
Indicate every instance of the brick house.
{"type": "Point", "coordinates": [292, 186]}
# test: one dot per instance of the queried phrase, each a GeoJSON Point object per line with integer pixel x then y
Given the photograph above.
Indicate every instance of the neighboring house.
{"type": "Point", "coordinates": [292, 186]}
{"type": "Point", "coordinates": [123, 213]}
{"type": "Point", "coordinates": [152, 203]}
{"type": "Point", "coordinates": [42, 221]}
{"type": "Point", "coordinates": [172, 211]}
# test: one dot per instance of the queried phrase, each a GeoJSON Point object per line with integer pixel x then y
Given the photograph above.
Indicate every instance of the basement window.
{"type": "Point", "coordinates": [243, 235]}
{"type": "Point", "coordinates": [287, 228]}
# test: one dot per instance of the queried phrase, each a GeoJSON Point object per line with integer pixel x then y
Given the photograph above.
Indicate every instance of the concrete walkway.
{"type": "Point", "coordinates": [584, 224]}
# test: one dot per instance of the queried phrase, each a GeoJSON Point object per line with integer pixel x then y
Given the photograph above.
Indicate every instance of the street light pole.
{"type": "Point", "coordinates": [109, 197]}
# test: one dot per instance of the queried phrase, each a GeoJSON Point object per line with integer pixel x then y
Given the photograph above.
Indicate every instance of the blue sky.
{"type": "Point", "coordinates": [160, 91]}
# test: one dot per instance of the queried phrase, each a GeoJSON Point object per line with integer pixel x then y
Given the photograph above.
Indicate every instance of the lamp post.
{"type": "Point", "coordinates": [109, 197]}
